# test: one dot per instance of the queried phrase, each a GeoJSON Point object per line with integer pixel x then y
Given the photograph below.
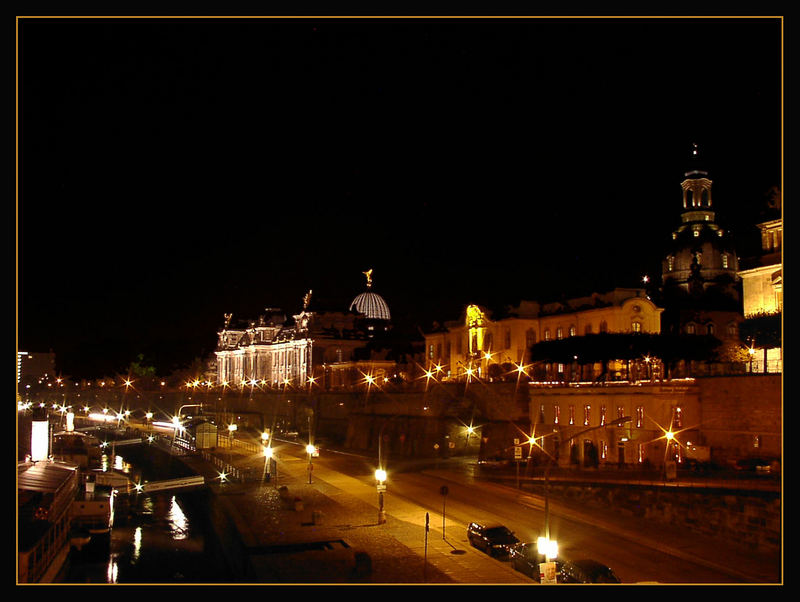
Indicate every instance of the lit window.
{"type": "Point", "coordinates": [541, 414]}
{"type": "Point", "coordinates": [757, 441]}
{"type": "Point", "coordinates": [556, 414]}
{"type": "Point", "coordinates": [430, 351]}
{"type": "Point", "coordinates": [586, 414]}
{"type": "Point", "coordinates": [546, 334]}
{"type": "Point", "coordinates": [724, 260]}
{"type": "Point", "coordinates": [560, 333]}
{"type": "Point", "coordinates": [561, 368]}
{"type": "Point", "coordinates": [603, 450]}
{"type": "Point", "coordinates": [636, 326]}
{"type": "Point", "coordinates": [602, 415]}
{"type": "Point", "coordinates": [620, 411]}
{"type": "Point", "coordinates": [670, 263]}
{"type": "Point", "coordinates": [640, 453]}
{"type": "Point", "coordinates": [690, 329]}
{"type": "Point", "coordinates": [677, 417]}
{"type": "Point", "coordinates": [572, 414]}
{"type": "Point", "coordinates": [639, 417]}
{"type": "Point", "coordinates": [572, 331]}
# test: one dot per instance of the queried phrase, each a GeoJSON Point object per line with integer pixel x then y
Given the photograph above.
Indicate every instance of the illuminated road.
{"type": "Point", "coordinates": [634, 560]}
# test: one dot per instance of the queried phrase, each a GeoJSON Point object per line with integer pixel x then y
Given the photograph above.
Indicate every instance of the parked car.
{"type": "Point", "coordinates": [525, 558]}
{"type": "Point", "coordinates": [495, 540]}
{"type": "Point", "coordinates": [586, 571]}
{"type": "Point", "coordinates": [757, 464]}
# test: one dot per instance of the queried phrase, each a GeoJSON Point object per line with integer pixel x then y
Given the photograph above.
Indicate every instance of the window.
{"type": "Point", "coordinates": [572, 414]}
{"type": "Point", "coordinates": [572, 330]}
{"type": "Point", "coordinates": [710, 328]}
{"type": "Point", "coordinates": [603, 326]}
{"type": "Point", "coordinates": [670, 263]}
{"type": "Point", "coordinates": [690, 328]}
{"type": "Point", "coordinates": [620, 412]}
{"type": "Point", "coordinates": [541, 414]}
{"type": "Point", "coordinates": [724, 260]}
{"type": "Point", "coordinates": [587, 411]}
{"type": "Point", "coordinates": [602, 415]}
{"type": "Point", "coordinates": [603, 450]}
{"type": "Point", "coordinates": [560, 333]}
{"type": "Point", "coordinates": [507, 340]}
{"type": "Point", "coordinates": [639, 417]}
{"type": "Point", "coordinates": [756, 441]}
{"type": "Point", "coordinates": [732, 329]}
{"type": "Point", "coordinates": [546, 334]}
{"type": "Point", "coordinates": [636, 327]}
{"type": "Point", "coordinates": [530, 338]}
{"type": "Point", "coordinates": [588, 329]}
{"type": "Point", "coordinates": [430, 351]}
{"type": "Point", "coordinates": [677, 417]}
{"type": "Point", "coordinates": [556, 414]}
{"type": "Point", "coordinates": [640, 453]}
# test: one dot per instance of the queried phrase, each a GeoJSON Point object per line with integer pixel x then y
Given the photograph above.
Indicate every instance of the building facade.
{"type": "Point", "coordinates": [477, 346]}
{"type": "Point", "coordinates": [312, 348]}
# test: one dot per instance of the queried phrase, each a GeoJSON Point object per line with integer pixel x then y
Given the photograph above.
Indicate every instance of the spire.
{"type": "Point", "coordinates": [695, 168]}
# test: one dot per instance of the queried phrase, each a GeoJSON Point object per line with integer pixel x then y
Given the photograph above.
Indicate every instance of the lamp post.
{"type": "Point", "coordinates": [310, 450]}
{"type": "Point", "coordinates": [380, 477]}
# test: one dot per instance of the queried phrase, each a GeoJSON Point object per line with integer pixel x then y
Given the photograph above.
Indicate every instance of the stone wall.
{"type": "Point", "coordinates": [749, 519]}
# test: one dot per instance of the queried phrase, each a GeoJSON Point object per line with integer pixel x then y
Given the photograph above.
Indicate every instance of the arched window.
{"type": "Point", "coordinates": [690, 328]}
{"type": "Point", "coordinates": [572, 330]}
{"type": "Point", "coordinates": [710, 328]}
{"type": "Point", "coordinates": [546, 334]}
{"type": "Point", "coordinates": [560, 333]}
{"type": "Point", "coordinates": [636, 327]}
{"type": "Point", "coordinates": [603, 326]}
{"type": "Point", "coordinates": [530, 337]}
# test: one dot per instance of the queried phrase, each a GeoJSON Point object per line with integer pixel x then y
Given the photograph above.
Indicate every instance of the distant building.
{"type": "Point", "coordinates": [762, 281]}
{"type": "Point", "coordinates": [700, 285]}
{"type": "Point", "coordinates": [321, 347]}
{"type": "Point", "coordinates": [35, 369]}
{"type": "Point", "coordinates": [477, 345]}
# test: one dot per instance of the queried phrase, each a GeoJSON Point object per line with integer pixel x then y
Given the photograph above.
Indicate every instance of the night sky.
{"type": "Point", "coordinates": [173, 170]}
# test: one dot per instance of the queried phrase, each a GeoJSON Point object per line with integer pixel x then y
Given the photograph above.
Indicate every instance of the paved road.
{"type": "Point", "coordinates": [347, 499]}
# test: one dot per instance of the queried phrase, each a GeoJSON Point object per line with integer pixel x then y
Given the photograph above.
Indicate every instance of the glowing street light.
{"type": "Point", "coordinates": [380, 477]}
{"type": "Point", "coordinates": [311, 451]}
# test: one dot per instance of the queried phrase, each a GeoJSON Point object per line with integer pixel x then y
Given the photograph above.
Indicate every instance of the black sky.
{"type": "Point", "coordinates": [173, 170]}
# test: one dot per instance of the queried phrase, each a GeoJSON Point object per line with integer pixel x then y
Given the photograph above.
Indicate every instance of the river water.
{"type": "Point", "coordinates": [166, 539]}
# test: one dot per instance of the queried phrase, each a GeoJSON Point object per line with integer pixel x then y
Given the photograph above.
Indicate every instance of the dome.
{"type": "Point", "coordinates": [372, 306]}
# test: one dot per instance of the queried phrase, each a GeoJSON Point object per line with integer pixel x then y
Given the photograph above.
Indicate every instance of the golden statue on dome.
{"type": "Point", "coordinates": [368, 274]}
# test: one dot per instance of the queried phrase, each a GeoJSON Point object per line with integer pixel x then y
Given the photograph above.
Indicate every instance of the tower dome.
{"type": "Point", "coordinates": [701, 252]}
{"type": "Point", "coordinates": [371, 304]}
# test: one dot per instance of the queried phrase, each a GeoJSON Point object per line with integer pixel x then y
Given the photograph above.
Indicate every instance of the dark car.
{"type": "Point", "coordinates": [525, 558]}
{"type": "Point", "coordinates": [495, 540]}
{"type": "Point", "coordinates": [586, 571]}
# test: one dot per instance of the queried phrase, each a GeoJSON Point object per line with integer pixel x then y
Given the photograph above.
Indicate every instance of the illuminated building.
{"type": "Point", "coordinates": [762, 281]}
{"type": "Point", "coordinates": [481, 347]}
{"type": "Point", "coordinates": [326, 346]}
{"type": "Point", "coordinates": [702, 254]}
{"type": "Point", "coordinates": [700, 282]}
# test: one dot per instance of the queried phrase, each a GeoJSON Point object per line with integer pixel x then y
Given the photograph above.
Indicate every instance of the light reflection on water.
{"type": "Point", "coordinates": [162, 544]}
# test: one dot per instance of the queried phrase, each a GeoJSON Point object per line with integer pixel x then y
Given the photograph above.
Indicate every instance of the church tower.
{"type": "Point", "coordinates": [702, 255]}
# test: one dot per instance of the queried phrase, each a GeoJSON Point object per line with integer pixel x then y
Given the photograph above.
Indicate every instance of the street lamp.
{"type": "Point", "coordinates": [380, 477]}
{"type": "Point", "coordinates": [311, 450]}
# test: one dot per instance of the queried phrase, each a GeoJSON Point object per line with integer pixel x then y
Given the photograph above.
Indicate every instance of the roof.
{"type": "Point", "coordinates": [46, 477]}
{"type": "Point", "coordinates": [372, 306]}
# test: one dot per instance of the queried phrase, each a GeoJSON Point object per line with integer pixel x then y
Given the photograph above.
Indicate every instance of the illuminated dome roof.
{"type": "Point", "coordinates": [371, 305]}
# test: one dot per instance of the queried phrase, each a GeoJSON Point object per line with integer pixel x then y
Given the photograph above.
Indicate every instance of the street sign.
{"type": "Point", "coordinates": [518, 453]}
